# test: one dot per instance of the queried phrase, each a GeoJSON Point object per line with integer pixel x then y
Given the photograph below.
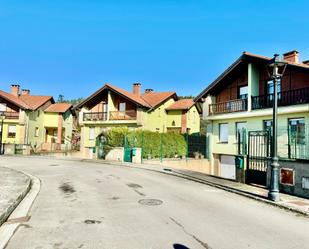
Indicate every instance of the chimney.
{"type": "Point", "coordinates": [15, 90]}
{"type": "Point", "coordinates": [306, 62]}
{"type": "Point", "coordinates": [137, 89]}
{"type": "Point", "coordinates": [148, 90]}
{"type": "Point", "coordinates": [25, 92]}
{"type": "Point", "coordinates": [292, 56]}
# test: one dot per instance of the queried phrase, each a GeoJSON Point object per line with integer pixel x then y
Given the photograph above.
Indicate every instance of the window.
{"type": "Point", "coordinates": [243, 92]}
{"type": "Point", "coordinates": [2, 107]}
{"type": "Point", "coordinates": [240, 130]}
{"type": "Point", "coordinates": [297, 130]}
{"type": "Point", "coordinates": [104, 107]}
{"type": "Point", "coordinates": [268, 125]}
{"type": "Point", "coordinates": [91, 133]}
{"type": "Point", "coordinates": [270, 89]}
{"type": "Point", "coordinates": [122, 107]}
{"type": "Point", "coordinates": [36, 132]}
{"type": "Point", "coordinates": [12, 131]}
{"type": "Point", "coordinates": [223, 133]}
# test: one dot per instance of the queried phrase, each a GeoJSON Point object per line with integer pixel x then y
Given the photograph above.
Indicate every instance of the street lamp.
{"type": "Point", "coordinates": [2, 117]}
{"type": "Point", "coordinates": [275, 69]}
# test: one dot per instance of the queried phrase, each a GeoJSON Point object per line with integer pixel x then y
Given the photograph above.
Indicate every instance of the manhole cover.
{"type": "Point", "coordinates": [53, 165]}
{"type": "Point", "coordinates": [150, 202]}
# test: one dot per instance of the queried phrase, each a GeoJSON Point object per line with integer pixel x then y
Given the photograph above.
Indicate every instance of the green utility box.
{"type": "Point", "coordinates": [239, 162]}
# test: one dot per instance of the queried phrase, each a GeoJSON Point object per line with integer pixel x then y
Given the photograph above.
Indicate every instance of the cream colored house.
{"type": "Point", "coordinates": [112, 106]}
{"type": "Point", "coordinates": [241, 99]}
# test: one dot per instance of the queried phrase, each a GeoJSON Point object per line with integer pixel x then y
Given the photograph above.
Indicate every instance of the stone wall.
{"type": "Point", "coordinates": [301, 173]}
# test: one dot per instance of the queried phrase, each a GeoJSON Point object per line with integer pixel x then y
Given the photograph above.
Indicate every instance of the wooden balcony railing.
{"type": "Point", "coordinates": [95, 116]}
{"type": "Point", "coordinates": [127, 115]}
{"type": "Point", "coordinates": [9, 115]}
{"type": "Point", "coordinates": [285, 98]}
{"type": "Point", "coordinates": [237, 105]}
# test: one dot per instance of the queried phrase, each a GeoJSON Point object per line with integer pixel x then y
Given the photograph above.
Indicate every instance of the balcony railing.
{"type": "Point", "coordinates": [9, 115]}
{"type": "Point", "coordinates": [291, 97]}
{"type": "Point", "coordinates": [237, 105]}
{"type": "Point", "coordinates": [127, 115]}
{"type": "Point", "coordinates": [95, 116]}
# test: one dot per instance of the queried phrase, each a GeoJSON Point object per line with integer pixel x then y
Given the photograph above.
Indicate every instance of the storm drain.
{"type": "Point", "coordinates": [150, 202]}
{"type": "Point", "coordinates": [92, 222]}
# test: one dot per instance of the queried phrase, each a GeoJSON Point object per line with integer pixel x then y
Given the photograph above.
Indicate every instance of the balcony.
{"type": "Point", "coordinates": [113, 115]}
{"type": "Point", "coordinates": [10, 115]}
{"type": "Point", "coordinates": [286, 98]}
{"type": "Point", "coordinates": [95, 116]}
{"type": "Point", "coordinates": [238, 105]}
{"type": "Point", "coordinates": [127, 115]}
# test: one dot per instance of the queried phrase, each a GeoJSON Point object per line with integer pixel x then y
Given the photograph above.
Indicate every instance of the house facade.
{"type": "Point", "coordinates": [33, 120]}
{"type": "Point", "coordinates": [112, 106]}
{"type": "Point", "coordinates": [241, 99]}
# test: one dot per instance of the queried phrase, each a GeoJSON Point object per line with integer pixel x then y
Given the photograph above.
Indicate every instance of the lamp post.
{"type": "Point", "coordinates": [2, 117]}
{"type": "Point", "coordinates": [276, 68]}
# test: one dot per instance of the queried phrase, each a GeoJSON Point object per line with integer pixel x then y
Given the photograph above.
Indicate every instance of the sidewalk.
{"type": "Point", "coordinates": [14, 186]}
{"type": "Point", "coordinates": [288, 202]}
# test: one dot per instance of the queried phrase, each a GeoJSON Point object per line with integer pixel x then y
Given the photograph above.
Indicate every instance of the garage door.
{"type": "Point", "coordinates": [227, 167]}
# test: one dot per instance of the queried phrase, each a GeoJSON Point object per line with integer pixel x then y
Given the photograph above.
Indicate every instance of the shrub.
{"type": "Point", "coordinates": [152, 143]}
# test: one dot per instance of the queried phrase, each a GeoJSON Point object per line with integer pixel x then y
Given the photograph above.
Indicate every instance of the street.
{"type": "Point", "coordinates": [89, 205]}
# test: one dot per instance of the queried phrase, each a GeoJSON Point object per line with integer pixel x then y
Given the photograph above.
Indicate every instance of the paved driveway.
{"type": "Point", "coordinates": [85, 205]}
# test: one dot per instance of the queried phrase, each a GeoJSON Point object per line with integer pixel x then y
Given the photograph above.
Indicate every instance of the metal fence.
{"type": "Point", "coordinates": [293, 142]}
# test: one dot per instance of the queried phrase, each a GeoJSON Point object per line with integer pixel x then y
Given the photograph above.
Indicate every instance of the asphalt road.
{"type": "Point", "coordinates": [88, 205]}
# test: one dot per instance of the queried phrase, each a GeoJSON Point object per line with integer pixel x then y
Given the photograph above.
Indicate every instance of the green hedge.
{"type": "Point", "coordinates": [172, 143]}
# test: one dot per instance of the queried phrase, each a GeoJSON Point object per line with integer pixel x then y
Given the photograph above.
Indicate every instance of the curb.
{"type": "Point", "coordinates": [20, 213]}
{"type": "Point", "coordinates": [10, 210]}
{"type": "Point", "coordinates": [170, 171]}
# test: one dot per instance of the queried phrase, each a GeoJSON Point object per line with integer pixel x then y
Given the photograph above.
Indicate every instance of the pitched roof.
{"type": "Point", "coordinates": [156, 98]}
{"type": "Point", "coordinates": [245, 55]}
{"type": "Point", "coordinates": [129, 95]}
{"type": "Point", "coordinates": [182, 104]}
{"type": "Point", "coordinates": [13, 99]}
{"type": "Point", "coordinates": [148, 100]}
{"type": "Point", "coordinates": [35, 101]}
{"type": "Point", "coordinates": [58, 107]}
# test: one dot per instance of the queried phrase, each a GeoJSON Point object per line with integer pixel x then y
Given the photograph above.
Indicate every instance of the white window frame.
{"type": "Point", "coordinates": [224, 135]}
{"type": "Point", "coordinates": [12, 130]}
{"type": "Point", "coordinates": [91, 133]}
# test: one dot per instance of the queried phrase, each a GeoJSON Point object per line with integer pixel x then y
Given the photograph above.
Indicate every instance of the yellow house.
{"type": "Point", "coordinates": [241, 99]}
{"type": "Point", "coordinates": [112, 106]}
{"type": "Point", "coordinates": [31, 120]}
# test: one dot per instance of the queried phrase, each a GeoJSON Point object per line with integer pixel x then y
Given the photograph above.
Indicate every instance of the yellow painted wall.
{"type": "Point", "coordinates": [35, 119]}
{"type": "Point", "coordinates": [174, 116]}
{"type": "Point", "coordinates": [51, 119]}
{"type": "Point", "coordinates": [193, 120]}
{"type": "Point", "coordinates": [156, 120]}
{"type": "Point", "coordinates": [19, 139]}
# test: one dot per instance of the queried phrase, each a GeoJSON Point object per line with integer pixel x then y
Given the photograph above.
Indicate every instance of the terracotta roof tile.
{"type": "Point", "coordinates": [35, 101]}
{"type": "Point", "coordinates": [182, 104]}
{"type": "Point", "coordinates": [58, 107]}
{"type": "Point", "coordinates": [15, 100]}
{"type": "Point", "coordinates": [156, 98]}
{"type": "Point", "coordinates": [129, 95]}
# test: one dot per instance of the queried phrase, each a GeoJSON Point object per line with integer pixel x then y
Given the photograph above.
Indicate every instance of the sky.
{"type": "Point", "coordinates": [73, 47]}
